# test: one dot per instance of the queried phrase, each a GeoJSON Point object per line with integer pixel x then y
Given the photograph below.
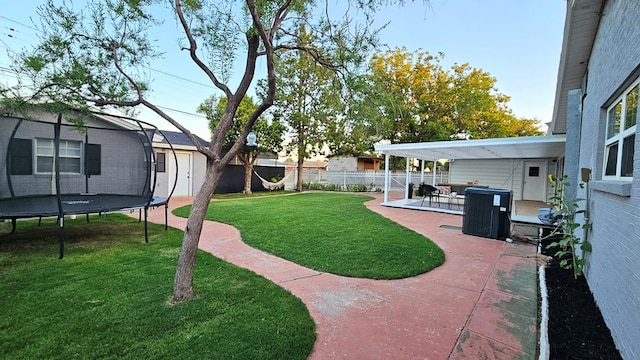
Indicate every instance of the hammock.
{"type": "Point", "coordinates": [272, 185]}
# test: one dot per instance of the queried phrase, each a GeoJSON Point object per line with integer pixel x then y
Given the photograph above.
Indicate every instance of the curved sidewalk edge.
{"type": "Point", "coordinates": [481, 303]}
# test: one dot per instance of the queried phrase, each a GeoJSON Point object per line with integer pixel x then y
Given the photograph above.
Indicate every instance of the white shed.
{"type": "Point", "coordinates": [186, 171]}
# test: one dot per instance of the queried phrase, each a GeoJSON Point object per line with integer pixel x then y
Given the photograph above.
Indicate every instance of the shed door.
{"type": "Point", "coordinates": [535, 180]}
{"type": "Point", "coordinates": [183, 184]}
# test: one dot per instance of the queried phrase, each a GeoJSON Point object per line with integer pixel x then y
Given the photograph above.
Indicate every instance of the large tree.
{"type": "Point", "coordinates": [350, 131]}
{"type": "Point", "coordinates": [418, 100]}
{"type": "Point", "coordinates": [269, 133]}
{"type": "Point", "coordinates": [96, 54]}
{"type": "Point", "coordinates": [306, 100]}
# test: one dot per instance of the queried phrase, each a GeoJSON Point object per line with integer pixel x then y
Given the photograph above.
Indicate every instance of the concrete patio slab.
{"type": "Point", "coordinates": [465, 309]}
{"type": "Point", "coordinates": [473, 346]}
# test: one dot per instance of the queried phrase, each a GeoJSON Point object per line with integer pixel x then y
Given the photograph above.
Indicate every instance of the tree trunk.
{"type": "Point", "coordinates": [299, 182]}
{"type": "Point", "coordinates": [183, 281]}
{"type": "Point", "coordinates": [248, 169]}
{"type": "Point", "coordinates": [302, 145]}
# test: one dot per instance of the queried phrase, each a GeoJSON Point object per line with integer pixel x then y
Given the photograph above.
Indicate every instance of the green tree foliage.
{"type": "Point", "coordinates": [350, 132]}
{"type": "Point", "coordinates": [269, 133]}
{"type": "Point", "coordinates": [306, 100]}
{"type": "Point", "coordinates": [348, 136]}
{"type": "Point", "coordinates": [99, 52]}
{"type": "Point", "coordinates": [417, 100]}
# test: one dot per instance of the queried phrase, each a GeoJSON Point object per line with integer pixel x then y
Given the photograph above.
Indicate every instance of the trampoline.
{"type": "Point", "coordinates": [54, 168]}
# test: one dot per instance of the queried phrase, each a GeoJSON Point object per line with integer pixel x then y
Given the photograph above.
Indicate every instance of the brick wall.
{"type": "Point", "coordinates": [343, 163]}
{"type": "Point", "coordinates": [614, 265]}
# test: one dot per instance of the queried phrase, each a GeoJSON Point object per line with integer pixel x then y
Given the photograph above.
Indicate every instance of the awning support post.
{"type": "Point", "coordinates": [407, 180]}
{"type": "Point", "coordinates": [386, 178]}
{"type": "Point", "coordinates": [433, 171]}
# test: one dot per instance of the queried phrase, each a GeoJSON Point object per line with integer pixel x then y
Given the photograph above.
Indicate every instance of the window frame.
{"type": "Point", "coordinates": [64, 154]}
{"type": "Point", "coordinates": [621, 132]}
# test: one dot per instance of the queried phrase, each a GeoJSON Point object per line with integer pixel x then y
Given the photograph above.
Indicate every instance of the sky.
{"type": "Point", "coordinates": [517, 41]}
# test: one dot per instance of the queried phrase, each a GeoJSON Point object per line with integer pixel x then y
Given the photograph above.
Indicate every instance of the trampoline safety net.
{"type": "Point", "coordinates": [52, 167]}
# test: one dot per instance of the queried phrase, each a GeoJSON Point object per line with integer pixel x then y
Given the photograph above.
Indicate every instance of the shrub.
{"type": "Point", "coordinates": [357, 188]}
{"type": "Point", "coordinates": [337, 187]}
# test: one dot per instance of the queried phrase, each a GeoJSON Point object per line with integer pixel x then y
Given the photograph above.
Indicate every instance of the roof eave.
{"type": "Point", "coordinates": [581, 26]}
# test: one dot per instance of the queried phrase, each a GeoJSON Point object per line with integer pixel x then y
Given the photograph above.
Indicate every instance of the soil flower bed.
{"type": "Point", "coordinates": [576, 327]}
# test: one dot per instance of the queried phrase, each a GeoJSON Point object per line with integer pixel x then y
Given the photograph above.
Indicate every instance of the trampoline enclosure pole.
{"type": "Point", "coordinates": [146, 233]}
{"type": "Point", "coordinates": [56, 169]}
{"type": "Point", "coordinates": [61, 234]}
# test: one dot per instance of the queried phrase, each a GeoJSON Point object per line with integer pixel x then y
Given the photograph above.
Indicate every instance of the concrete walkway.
{"type": "Point", "coordinates": [480, 304]}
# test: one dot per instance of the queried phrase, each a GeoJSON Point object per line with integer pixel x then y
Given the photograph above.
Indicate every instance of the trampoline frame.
{"type": "Point", "coordinates": [60, 204]}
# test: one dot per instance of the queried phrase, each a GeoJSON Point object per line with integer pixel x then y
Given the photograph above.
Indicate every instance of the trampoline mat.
{"type": "Point", "coordinates": [72, 204]}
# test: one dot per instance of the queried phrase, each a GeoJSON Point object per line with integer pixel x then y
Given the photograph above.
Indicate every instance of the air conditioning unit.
{"type": "Point", "coordinates": [486, 212]}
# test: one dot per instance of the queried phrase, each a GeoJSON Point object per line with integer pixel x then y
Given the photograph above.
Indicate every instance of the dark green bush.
{"type": "Point", "coordinates": [336, 187]}
{"type": "Point", "coordinates": [357, 188]}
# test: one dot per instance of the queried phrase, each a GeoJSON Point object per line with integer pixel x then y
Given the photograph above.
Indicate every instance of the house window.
{"type": "Point", "coordinates": [70, 159]}
{"type": "Point", "coordinates": [161, 162]}
{"type": "Point", "coordinates": [622, 118]}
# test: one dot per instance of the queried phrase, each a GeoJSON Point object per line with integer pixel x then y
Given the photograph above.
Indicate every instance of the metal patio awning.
{"type": "Point", "coordinates": [529, 147]}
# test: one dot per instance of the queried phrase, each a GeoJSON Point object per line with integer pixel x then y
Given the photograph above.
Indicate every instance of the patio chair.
{"type": "Point", "coordinates": [426, 190]}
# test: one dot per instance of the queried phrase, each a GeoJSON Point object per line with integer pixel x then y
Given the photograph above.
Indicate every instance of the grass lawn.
{"type": "Point", "coordinates": [108, 299]}
{"type": "Point", "coordinates": [253, 194]}
{"type": "Point", "coordinates": [329, 232]}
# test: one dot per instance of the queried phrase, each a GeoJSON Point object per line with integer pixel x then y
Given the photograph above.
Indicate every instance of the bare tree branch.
{"type": "Point", "coordinates": [193, 46]}
{"type": "Point", "coordinates": [203, 149]}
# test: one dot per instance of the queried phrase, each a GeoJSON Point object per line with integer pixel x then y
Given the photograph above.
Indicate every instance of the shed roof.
{"type": "Point", "coordinates": [528, 147]}
{"type": "Point", "coordinates": [177, 138]}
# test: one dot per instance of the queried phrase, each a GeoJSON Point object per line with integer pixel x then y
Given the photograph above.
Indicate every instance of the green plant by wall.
{"type": "Point", "coordinates": [357, 188]}
{"type": "Point", "coordinates": [336, 187]}
{"type": "Point", "coordinates": [566, 210]}
{"type": "Point", "coordinates": [312, 186]}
